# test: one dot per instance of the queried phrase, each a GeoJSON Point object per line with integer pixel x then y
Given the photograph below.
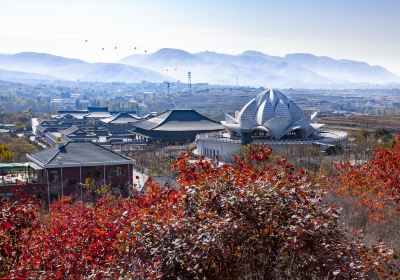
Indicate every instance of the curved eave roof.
{"type": "Point", "coordinates": [122, 118]}
{"type": "Point", "coordinates": [98, 115]}
{"type": "Point", "coordinates": [78, 154]}
{"type": "Point", "coordinates": [179, 120]}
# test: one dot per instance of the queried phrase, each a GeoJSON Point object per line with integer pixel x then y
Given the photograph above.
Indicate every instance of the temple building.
{"type": "Point", "coordinates": [124, 131]}
{"type": "Point", "coordinates": [178, 126]}
{"type": "Point", "coordinates": [270, 119]}
{"type": "Point", "coordinates": [121, 123]}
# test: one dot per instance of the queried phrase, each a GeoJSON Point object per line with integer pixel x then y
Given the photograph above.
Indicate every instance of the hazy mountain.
{"type": "Point", "coordinates": [349, 70]}
{"type": "Point", "coordinates": [7, 75]}
{"type": "Point", "coordinates": [165, 58]}
{"type": "Point", "coordinates": [74, 69]}
{"type": "Point", "coordinates": [250, 68]}
{"type": "Point", "coordinates": [258, 69]}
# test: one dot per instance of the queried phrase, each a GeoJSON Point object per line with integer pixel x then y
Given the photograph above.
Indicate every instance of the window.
{"type": "Point", "coordinates": [118, 171]}
{"type": "Point", "coordinates": [95, 173]}
{"type": "Point", "coordinates": [53, 175]}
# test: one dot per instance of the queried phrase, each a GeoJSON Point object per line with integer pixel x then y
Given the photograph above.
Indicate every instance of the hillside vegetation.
{"type": "Point", "coordinates": [258, 218]}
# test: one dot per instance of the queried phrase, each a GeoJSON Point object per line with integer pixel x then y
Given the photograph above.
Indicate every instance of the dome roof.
{"type": "Point", "coordinates": [273, 112]}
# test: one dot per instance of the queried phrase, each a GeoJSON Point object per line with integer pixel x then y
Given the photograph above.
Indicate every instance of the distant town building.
{"type": "Point", "coordinates": [57, 104]}
{"type": "Point", "coordinates": [8, 127]}
{"type": "Point", "coordinates": [73, 133]}
{"type": "Point", "coordinates": [98, 113]}
{"type": "Point", "coordinates": [54, 125]}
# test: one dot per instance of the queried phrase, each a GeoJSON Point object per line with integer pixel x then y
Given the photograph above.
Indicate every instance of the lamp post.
{"type": "Point", "coordinates": [62, 177]}
{"type": "Point", "coordinates": [48, 186]}
{"type": "Point", "coordinates": [81, 186]}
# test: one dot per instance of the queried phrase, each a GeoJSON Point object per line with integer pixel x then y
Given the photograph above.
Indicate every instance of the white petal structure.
{"type": "Point", "coordinates": [273, 113]}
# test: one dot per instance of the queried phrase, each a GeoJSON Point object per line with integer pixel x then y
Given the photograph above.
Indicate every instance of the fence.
{"type": "Point", "coordinates": [332, 137]}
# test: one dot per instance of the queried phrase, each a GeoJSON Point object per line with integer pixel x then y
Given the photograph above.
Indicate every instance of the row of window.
{"type": "Point", "coordinates": [95, 173]}
{"type": "Point", "coordinates": [210, 153]}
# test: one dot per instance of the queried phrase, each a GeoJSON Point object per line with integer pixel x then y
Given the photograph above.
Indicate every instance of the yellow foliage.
{"type": "Point", "coordinates": [5, 153]}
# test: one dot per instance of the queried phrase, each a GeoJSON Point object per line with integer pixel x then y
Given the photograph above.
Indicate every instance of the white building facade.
{"type": "Point", "coordinates": [270, 119]}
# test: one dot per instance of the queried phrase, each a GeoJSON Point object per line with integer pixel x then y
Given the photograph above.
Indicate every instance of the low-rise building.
{"type": "Point", "coordinates": [8, 127]}
{"type": "Point", "coordinates": [63, 170]}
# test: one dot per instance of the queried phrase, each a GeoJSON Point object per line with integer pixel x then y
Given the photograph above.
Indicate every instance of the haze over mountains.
{"type": "Point", "coordinates": [256, 68]}
{"type": "Point", "coordinates": [61, 68]}
{"type": "Point", "coordinates": [249, 68]}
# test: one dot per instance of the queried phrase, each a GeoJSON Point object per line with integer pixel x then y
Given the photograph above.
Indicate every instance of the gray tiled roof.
{"type": "Point", "coordinates": [64, 112]}
{"type": "Point", "coordinates": [122, 118]}
{"type": "Point", "coordinates": [55, 137]}
{"type": "Point", "coordinates": [98, 115]}
{"type": "Point", "coordinates": [74, 113]}
{"type": "Point", "coordinates": [98, 109]}
{"type": "Point", "coordinates": [46, 155]}
{"type": "Point", "coordinates": [79, 153]}
{"type": "Point", "coordinates": [69, 130]}
{"type": "Point", "coordinates": [179, 120]}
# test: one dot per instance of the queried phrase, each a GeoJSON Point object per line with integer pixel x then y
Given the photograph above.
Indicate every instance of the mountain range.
{"type": "Point", "coordinates": [250, 68]}
{"type": "Point", "coordinates": [258, 69]}
{"type": "Point", "coordinates": [62, 68]}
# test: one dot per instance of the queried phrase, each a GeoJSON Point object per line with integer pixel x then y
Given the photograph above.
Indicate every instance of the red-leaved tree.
{"type": "Point", "coordinates": [15, 218]}
{"type": "Point", "coordinates": [254, 219]}
{"type": "Point", "coordinates": [376, 183]}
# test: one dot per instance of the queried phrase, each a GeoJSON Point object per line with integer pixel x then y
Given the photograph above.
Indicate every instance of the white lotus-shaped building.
{"type": "Point", "coordinates": [271, 114]}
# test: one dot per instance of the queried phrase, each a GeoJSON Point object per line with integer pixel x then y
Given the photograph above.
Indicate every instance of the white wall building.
{"type": "Point", "coordinates": [270, 119]}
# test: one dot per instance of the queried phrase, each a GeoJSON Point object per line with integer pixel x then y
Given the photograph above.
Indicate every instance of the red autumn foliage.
{"type": "Point", "coordinates": [15, 218]}
{"type": "Point", "coordinates": [376, 183]}
{"type": "Point", "coordinates": [254, 219]}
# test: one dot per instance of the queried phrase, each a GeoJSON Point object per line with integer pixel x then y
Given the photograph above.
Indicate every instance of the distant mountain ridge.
{"type": "Point", "coordinates": [7, 75]}
{"type": "Point", "coordinates": [75, 69]}
{"type": "Point", "coordinates": [250, 68]}
{"type": "Point", "coordinates": [255, 68]}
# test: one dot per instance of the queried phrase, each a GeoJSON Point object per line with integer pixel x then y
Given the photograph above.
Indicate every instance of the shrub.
{"type": "Point", "coordinates": [375, 184]}
{"type": "Point", "coordinates": [254, 219]}
{"type": "Point", "coordinates": [15, 218]}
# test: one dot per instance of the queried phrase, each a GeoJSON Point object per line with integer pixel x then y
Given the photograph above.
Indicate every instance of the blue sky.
{"type": "Point", "coordinates": [366, 30]}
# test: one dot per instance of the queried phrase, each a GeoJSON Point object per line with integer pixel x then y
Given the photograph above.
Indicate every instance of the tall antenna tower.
{"type": "Point", "coordinates": [190, 81]}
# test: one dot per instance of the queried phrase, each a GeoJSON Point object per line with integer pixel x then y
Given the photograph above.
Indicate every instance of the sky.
{"type": "Point", "coordinates": [364, 30]}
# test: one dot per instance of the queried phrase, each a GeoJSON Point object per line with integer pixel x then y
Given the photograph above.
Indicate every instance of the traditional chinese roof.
{"type": "Point", "coordinates": [76, 114]}
{"type": "Point", "coordinates": [77, 154]}
{"type": "Point", "coordinates": [122, 118]}
{"type": "Point", "coordinates": [179, 120]}
{"type": "Point", "coordinates": [71, 130]}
